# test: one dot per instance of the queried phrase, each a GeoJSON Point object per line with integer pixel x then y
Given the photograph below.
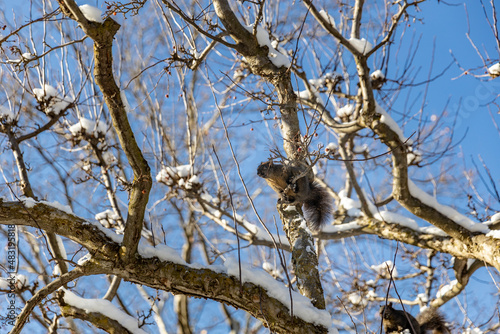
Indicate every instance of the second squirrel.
{"type": "Point", "coordinates": [396, 321]}
{"type": "Point", "coordinates": [303, 191]}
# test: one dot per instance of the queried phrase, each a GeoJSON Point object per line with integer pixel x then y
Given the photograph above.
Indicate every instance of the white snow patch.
{"type": "Point", "coordinates": [4, 284]}
{"type": "Point", "coordinates": [44, 93]}
{"type": "Point", "coordinates": [109, 157]}
{"type": "Point", "coordinates": [350, 205]}
{"type": "Point", "coordinates": [384, 269]}
{"type": "Point", "coordinates": [446, 288]}
{"type": "Point", "coordinates": [331, 147]}
{"type": "Point", "coordinates": [327, 78]}
{"type": "Point", "coordinates": [422, 297]}
{"type": "Point", "coordinates": [261, 234]}
{"type": "Point", "coordinates": [361, 45]}
{"type": "Point", "coordinates": [167, 175]}
{"type": "Point", "coordinates": [387, 120]}
{"type": "Point", "coordinates": [328, 18]}
{"type": "Point", "coordinates": [395, 218]}
{"type": "Point", "coordinates": [84, 259]}
{"type": "Point", "coordinates": [163, 252]}
{"type": "Point", "coordinates": [495, 218]}
{"type": "Point", "coordinates": [126, 105]}
{"type": "Point", "coordinates": [54, 104]}
{"type": "Point", "coordinates": [267, 266]}
{"type": "Point", "coordinates": [356, 299]}
{"type": "Point", "coordinates": [446, 210]}
{"type": "Point", "coordinates": [30, 203]}
{"type": "Point", "coordinates": [104, 307]}
{"type": "Point", "coordinates": [6, 115]}
{"type": "Point", "coordinates": [341, 228]}
{"type": "Point", "coordinates": [305, 95]}
{"type": "Point", "coordinates": [88, 126]}
{"type": "Point", "coordinates": [59, 206]}
{"type": "Point", "coordinates": [494, 234]}
{"type": "Point", "coordinates": [346, 110]}
{"type": "Point", "coordinates": [302, 306]}
{"type": "Point", "coordinates": [433, 230]}
{"type": "Point", "coordinates": [192, 181]}
{"type": "Point", "coordinates": [107, 218]}
{"type": "Point", "coordinates": [19, 281]}
{"type": "Point", "coordinates": [57, 269]}
{"type": "Point", "coordinates": [494, 70]}
{"type": "Point", "coordinates": [377, 75]}
{"type": "Point", "coordinates": [92, 13]}
{"type": "Point", "coordinates": [278, 58]}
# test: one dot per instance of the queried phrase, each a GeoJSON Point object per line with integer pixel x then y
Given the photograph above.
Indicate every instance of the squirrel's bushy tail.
{"type": "Point", "coordinates": [318, 206]}
{"type": "Point", "coordinates": [431, 321]}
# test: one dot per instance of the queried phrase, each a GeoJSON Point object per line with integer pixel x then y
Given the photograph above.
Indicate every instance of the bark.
{"type": "Point", "coordinates": [308, 279]}
{"type": "Point", "coordinates": [102, 35]}
{"type": "Point", "coordinates": [177, 278]}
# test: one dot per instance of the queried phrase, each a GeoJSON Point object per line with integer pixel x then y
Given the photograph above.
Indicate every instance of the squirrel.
{"type": "Point", "coordinates": [295, 188]}
{"type": "Point", "coordinates": [396, 321]}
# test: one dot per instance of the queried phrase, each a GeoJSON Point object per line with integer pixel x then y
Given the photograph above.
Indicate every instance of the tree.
{"type": "Point", "coordinates": [149, 133]}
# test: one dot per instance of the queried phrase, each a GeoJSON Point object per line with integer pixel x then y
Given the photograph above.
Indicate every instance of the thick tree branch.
{"type": "Point", "coordinates": [161, 274]}
{"type": "Point", "coordinates": [103, 35]}
{"type": "Point", "coordinates": [480, 247]}
{"type": "Point", "coordinates": [99, 320]}
{"type": "Point", "coordinates": [304, 258]}
{"type": "Point", "coordinates": [306, 268]}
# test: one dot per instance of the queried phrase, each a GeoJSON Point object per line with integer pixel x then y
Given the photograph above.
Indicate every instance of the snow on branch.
{"type": "Point", "coordinates": [353, 208]}
{"type": "Point", "coordinates": [30, 202]}
{"type": "Point", "coordinates": [104, 307]}
{"type": "Point", "coordinates": [92, 13]}
{"type": "Point", "coordinates": [346, 111]}
{"type": "Point", "coordinates": [445, 210]}
{"type": "Point", "coordinates": [391, 123]}
{"type": "Point", "coordinates": [385, 269]}
{"type": "Point", "coordinates": [494, 70]}
{"type": "Point", "coordinates": [89, 127]}
{"type": "Point", "coordinates": [302, 306]}
{"type": "Point", "coordinates": [6, 115]}
{"type": "Point", "coordinates": [328, 18]}
{"type": "Point", "coordinates": [277, 54]}
{"type": "Point", "coordinates": [361, 45]}
{"type": "Point", "coordinates": [50, 102]}
{"type": "Point", "coordinates": [185, 176]}
{"type": "Point", "coordinates": [18, 281]}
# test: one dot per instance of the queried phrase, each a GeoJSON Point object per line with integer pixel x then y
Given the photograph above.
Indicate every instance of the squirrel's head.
{"type": "Point", "coordinates": [385, 310]}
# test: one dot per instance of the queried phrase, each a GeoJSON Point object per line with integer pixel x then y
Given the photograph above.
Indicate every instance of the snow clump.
{"type": "Point", "coordinates": [87, 126]}
{"type": "Point", "coordinates": [346, 111]}
{"type": "Point", "coordinates": [494, 70]}
{"type": "Point", "coordinates": [6, 115]}
{"type": "Point", "coordinates": [180, 175]}
{"type": "Point", "coordinates": [277, 57]}
{"type": "Point", "coordinates": [361, 45]}
{"type": "Point", "coordinates": [92, 13]}
{"type": "Point", "coordinates": [49, 100]}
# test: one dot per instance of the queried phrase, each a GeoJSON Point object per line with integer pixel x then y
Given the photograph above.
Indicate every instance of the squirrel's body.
{"type": "Point", "coordinates": [396, 321]}
{"type": "Point", "coordinates": [295, 188]}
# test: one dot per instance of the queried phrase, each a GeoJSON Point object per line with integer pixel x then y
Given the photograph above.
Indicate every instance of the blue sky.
{"type": "Point", "coordinates": [449, 26]}
{"type": "Point", "coordinates": [446, 28]}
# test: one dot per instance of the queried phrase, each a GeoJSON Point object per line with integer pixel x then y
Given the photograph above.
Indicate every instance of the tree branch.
{"type": "Point", "coordinates": [103, 35]}
{"type": "Point", "coordinates": [48, 289]}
